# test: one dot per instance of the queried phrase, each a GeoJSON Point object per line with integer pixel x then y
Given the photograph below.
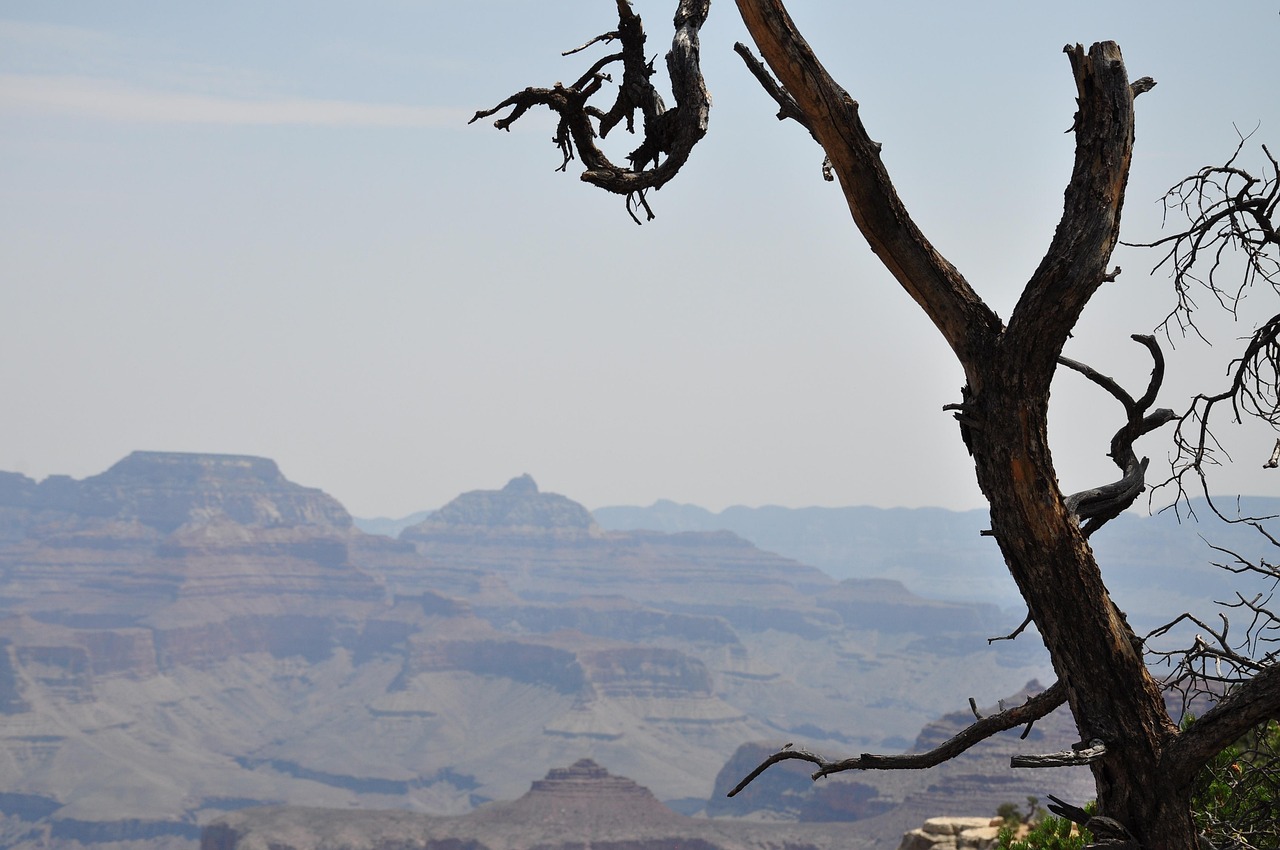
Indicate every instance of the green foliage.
{"type": "Point", "coordinates": [1236, 797]}
{"type": "Point", "coordinates": [1048, 833]}
{"type": "Point", "coordinates": [1235, 802]}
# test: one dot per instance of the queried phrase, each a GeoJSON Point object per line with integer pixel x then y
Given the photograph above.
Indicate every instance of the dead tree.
{"type": "Point", "coordinates": [1143, 763]}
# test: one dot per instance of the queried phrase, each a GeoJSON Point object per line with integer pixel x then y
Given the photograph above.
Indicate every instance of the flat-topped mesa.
{"type": "Point", "coordinates": [518, 508]}
{"type": "Point", "coordinates": [166, 490]}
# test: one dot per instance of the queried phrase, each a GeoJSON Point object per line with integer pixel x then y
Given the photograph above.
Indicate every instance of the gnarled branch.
{"type": "Point", "coordinates": [1032, 710]}
{"type": "Point", "coordinates": [669, 135]}
{"type": "Point", "coordinates": [1097, 506]}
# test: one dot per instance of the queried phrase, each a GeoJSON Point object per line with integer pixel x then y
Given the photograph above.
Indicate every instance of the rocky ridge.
{"type": "Point", "coordinates": [953, 833]}
{"type": "Point", "coordinates": [165, 490]}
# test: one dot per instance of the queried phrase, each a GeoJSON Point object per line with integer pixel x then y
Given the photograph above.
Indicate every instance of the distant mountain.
{"type": "Point", "coordinates": [518, 508]}
{"type": "Point", "coordinates": [936, 552]}
{"type": "Point", "coordinates": [165, 490]}
{"type": "Point", "coordinates": [389, 526]}
{"type": "Point", "coordinates": [1155, 566]}
{"type": "Point", "coordinates": [584, 805]}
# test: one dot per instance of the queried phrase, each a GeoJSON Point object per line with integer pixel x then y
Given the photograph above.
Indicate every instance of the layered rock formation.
{"type": "Point", "coordinates": [187, 635]}
{"type": "Point", "coordinates": [165, 490]}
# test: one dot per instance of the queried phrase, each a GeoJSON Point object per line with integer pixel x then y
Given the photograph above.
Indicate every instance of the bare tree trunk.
{"type": "Point", "coordinates": [1096, 656]}
{"type": "Point", "coordinates": [1004, 415]}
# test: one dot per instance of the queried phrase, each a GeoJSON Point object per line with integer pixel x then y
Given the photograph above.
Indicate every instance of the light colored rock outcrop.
{"type": "Point", "coordinates": [953, 834]}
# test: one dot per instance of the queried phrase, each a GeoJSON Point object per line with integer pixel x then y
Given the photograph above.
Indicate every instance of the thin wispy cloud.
{"type": "Point", "coordinates": [28, 34]}
{"type": "Point", "coordinates": [89, 97]}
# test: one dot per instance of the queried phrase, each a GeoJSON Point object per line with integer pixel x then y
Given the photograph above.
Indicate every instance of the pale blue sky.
{"type": "Point", "coordinates": [265, 228]}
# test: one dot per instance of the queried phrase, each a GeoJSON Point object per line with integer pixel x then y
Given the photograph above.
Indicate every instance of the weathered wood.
{"type": "Point", "coordinates": [1067, 758]}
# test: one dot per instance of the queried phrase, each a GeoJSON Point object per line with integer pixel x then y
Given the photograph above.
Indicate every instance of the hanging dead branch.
{"type": "Point", "coordinates": [1231, 220]}
{"type": "Point", "coordinates": [668, 135]}
{"type": "Point", "coordinates": [1254, 394]}
{"type": "Point", "coordinates": [787, 106]}
{"type": "Point", "coordinates": [1228, 246]}
{"type": "Point", "coordinates": [1218, 660]}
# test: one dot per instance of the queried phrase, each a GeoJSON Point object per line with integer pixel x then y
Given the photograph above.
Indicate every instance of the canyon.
{"type": "Point", "coordinates": [186, 637]}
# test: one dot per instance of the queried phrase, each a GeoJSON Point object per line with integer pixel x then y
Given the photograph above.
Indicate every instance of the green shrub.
{"type": "Point", "coordinates": [1049, 833]}
{"type": "Point", "coordinates": [1236, 798]}
{"type": "Point", "coordinates": [1235, 801]}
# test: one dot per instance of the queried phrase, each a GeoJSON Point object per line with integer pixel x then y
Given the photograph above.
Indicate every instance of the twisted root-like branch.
{"type": "Point", "coordinates": [669, 135]}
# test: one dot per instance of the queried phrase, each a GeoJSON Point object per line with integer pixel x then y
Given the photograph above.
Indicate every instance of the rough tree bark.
{"type": "Point", "coordinates": [1142, 763]}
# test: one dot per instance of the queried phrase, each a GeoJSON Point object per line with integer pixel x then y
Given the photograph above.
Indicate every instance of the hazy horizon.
{"type": "Point", "coordinates": [1139, 507]}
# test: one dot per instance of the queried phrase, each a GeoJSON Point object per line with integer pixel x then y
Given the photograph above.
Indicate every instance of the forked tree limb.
{"type": "Point", "coordinates": [1032, 710]}
{"type": "Point", "coordinates": [1143, 777]}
